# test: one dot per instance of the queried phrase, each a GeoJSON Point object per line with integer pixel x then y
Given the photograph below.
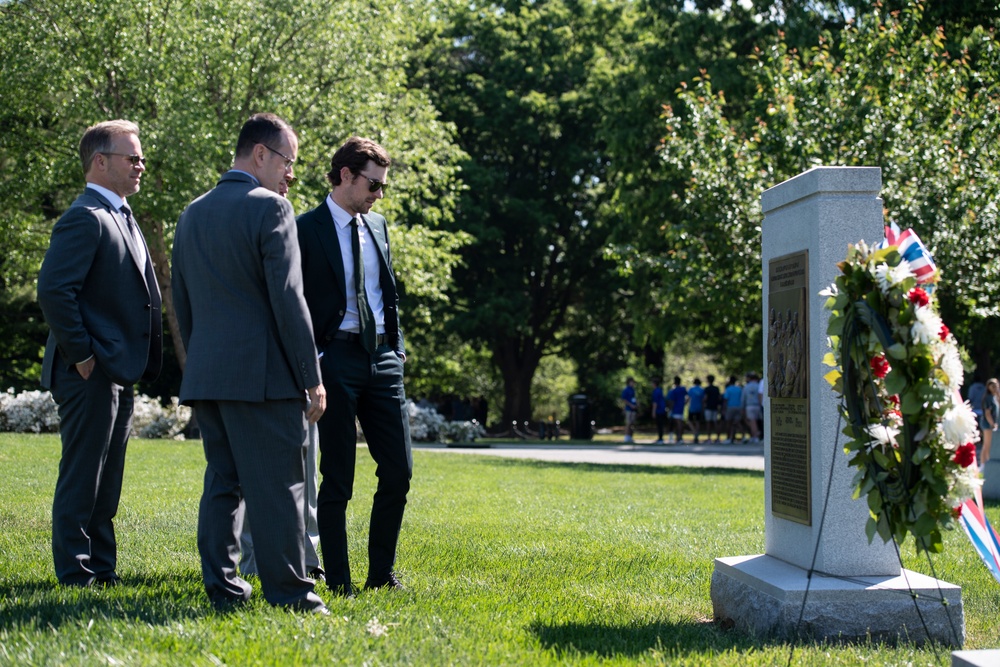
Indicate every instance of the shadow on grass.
{"type": "Point", "coordinates": [156, 600]}
{"type": "Point", "coordinates": [608, 640]}
{"type": "Point", "coordinates": [623, 468]}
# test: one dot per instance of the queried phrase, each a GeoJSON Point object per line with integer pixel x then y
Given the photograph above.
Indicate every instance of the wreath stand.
{"type": "Point", "coordinates": [821, 579]}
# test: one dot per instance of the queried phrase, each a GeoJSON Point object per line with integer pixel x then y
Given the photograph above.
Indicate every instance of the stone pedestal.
{"type": "Point", "coordinates": [991, 479]}
{"type": "Point", "coordinates": [811, 520]}
{"type": "Point", "coordinates": [766, 596]}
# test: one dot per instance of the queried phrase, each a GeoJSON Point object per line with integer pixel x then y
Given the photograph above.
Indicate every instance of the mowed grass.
{"type": "Point", "coordinates": [505, 562]}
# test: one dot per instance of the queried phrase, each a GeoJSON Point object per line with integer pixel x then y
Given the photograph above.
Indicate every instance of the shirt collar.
{"type": "Point", "coordinates": [256, 181]}
{"type": "Point", "coordinates": [341, 217]}
{"type": "Point", "coordinates": [114, 199]}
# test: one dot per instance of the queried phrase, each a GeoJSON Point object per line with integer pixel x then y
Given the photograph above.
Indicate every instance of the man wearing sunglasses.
{"type": "Point", "coordinates": [251, 361]}
{"type": "Point", "coordinates": [101, 301]}
{"type": "Point", "coordinates": [351, 291]}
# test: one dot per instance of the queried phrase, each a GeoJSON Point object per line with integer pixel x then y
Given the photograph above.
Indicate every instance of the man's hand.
{"type": "Point", "coordinates": [85, 368]}
{"type": "Point", "coordinates": [317, 403]}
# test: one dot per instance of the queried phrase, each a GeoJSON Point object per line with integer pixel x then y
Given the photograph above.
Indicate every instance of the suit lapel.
{"type": "Point", "coordinates": [326, 230]}
{"type": "Point", "coordinates": [130, 241]}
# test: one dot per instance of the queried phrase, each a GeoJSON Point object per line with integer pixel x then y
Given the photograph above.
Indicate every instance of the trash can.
{"type": "Point", "coordinates": [579, 418]}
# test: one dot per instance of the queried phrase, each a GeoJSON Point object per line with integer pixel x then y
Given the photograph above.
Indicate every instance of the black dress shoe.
{"type": "Point", "coordinates": [108, 581]}
{"type": "Point", "coordinates": [392, 583]}
{"type": "Point", "coordinates": [317, 575]}
{"type": "Point", "coordinates": [342, 590]}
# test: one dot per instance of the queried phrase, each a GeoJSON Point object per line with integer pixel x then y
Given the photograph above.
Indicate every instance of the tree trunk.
{"type": "Point", "coordinates": [161, 265]}
{"type": "Point", "coordinates": [518, 360]}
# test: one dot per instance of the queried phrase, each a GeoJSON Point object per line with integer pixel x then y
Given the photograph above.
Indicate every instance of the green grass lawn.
{"type": "Point", "coordinates": [505, 563]}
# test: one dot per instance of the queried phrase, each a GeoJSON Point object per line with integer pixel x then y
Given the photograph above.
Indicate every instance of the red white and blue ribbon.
{"type": "Point", "coordinates": [981, 533]}
{"type": "Point", "coordinates": [913, 251]}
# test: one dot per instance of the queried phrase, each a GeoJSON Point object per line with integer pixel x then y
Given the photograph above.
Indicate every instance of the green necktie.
{"type": "Point", "coordinates": [365, 317]}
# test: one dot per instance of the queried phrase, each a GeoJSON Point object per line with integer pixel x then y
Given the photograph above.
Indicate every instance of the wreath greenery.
{"type": "Point", "coordinates": [898, 372]}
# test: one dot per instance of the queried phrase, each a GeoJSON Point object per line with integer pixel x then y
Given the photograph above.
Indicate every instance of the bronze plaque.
{"type": "Point", "coordinates": [788, 386]}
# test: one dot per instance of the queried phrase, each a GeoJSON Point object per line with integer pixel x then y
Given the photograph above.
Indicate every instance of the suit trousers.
{"type": "Point", "coordinates": [370, 388]}
{"type": "Point", "coordinates": [256, 455]}
{"type": "Point", "coordinates": [95, 419]}
{"type": "Point", "coordinates": [248, 561]}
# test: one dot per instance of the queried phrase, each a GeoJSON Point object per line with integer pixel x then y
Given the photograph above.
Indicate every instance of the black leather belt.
{"type": "Point", "coordinates": [355, 338]}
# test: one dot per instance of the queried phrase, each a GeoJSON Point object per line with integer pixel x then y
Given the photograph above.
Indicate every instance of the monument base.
{"type": "Point", "coordinates": [991, 479]}
{"type": "Point", "coordinates": [763, 595]}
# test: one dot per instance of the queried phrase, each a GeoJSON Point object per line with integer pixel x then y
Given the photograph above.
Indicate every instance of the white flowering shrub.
{"type": "Point", "coordinates": [462, 431]}
{"type": "Point", "coordinates": [36, 412]}
{"type": "Point", "coordinates": [425, 423]}
{"type": "Point", "coordinates": [28, 412]}
{"type": "Point", "coordinates": [150, 419]}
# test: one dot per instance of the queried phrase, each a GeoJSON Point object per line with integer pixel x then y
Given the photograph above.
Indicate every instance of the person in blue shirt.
{"type": "Point", "coordinates": [678, 399]}
{"type": "Point", "coordinates": [733, 397]}
{"type": "Point", "coordinates": [696, 414]}
{"type": "Point", "coordinates": [659, 410]}
{"type": "Point", "coordinates": [630, 407]}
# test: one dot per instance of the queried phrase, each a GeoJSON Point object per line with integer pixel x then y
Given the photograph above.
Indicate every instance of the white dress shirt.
{"type": "Point", "coordinates": [369, 254]}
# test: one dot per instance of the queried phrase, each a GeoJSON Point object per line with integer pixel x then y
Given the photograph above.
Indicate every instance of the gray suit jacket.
{"type": "Point", "coordinates": [97, 298]}
{"type": "Point", "coordinates": [237, 282]}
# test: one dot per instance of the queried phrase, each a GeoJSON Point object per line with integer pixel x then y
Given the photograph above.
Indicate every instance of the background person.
{"type": "Point", "coordinates": [991, 415]}
{"type": "Point", "coordinates": [659, 410]}
{"type": "Point", "coordinates": [251, 361]}
{"type": "Point", "coordinates": [713, 408]}
{"type": "Point", "coordinates": [101, 301]}
{"type": "Point", "coordinates": [630, 407]}
{"type": "Point", "coordinates": [750, 402]}
{"type": "Point", "coordinates": [351, 290]}
{"type": "Point", "coordinates": [733, 397]}
{"type": "Point", "coordinates": [696, 407]}
{"type": "Point", "coordinates": [677, 398]}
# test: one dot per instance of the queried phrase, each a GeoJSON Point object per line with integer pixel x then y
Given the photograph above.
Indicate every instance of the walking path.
{"type": "Point", "coordinates": [744, 457]}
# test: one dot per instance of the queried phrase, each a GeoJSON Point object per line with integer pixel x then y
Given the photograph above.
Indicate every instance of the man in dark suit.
{"type": "Point", "coordinates": [251, 361]}
{"type": "Point", "coordinates": [345, 246]}
{"type": "Point", "coordinates": [101, 301]}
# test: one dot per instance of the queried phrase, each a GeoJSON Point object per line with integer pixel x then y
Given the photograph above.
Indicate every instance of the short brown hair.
{"type": "Point", "coordinates": [261, 128]}
{"type": "Point", "coordinates": [355, 154]}
{"type": "Point", "coordinates": [99, 139]}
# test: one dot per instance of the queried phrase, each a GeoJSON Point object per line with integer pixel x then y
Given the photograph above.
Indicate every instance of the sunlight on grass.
{"type": "Point", "coordinates": [506, 563]}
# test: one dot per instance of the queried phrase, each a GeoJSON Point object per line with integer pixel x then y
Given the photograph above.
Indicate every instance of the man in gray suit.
{"type": "Point", "coordinates": [101, 301]}
{"type": "Point", "coordinates": [251, 361]}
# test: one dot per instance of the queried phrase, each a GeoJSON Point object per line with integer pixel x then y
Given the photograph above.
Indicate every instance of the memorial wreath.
{"type": "Point", "coordinates": [898, 372]}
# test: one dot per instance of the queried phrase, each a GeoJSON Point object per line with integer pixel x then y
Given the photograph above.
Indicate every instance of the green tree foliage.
{"type": "Point", "coordinates": [515, 79]}
{"type": "Point", "coordinates": [882, 92]}
{"type": "Point", "coordinates": [190, 72]}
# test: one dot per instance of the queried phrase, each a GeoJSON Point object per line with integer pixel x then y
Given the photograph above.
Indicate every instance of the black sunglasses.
{"type": "Point", "coordinates": [374, 185]}
{"type": "Point", "coordinates": [136, 160]}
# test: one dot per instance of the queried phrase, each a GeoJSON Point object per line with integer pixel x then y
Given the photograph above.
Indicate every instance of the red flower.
{"type": "Point", "coordinates": [880, 367]}
{"type": "Point", "coordinates": [918, 297]}
{"type": "Point", "coordinates": [965, 456]}
{"type": "Point", "coordinates": [944, 332]}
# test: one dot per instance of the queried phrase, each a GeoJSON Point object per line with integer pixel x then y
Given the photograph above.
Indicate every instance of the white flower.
{"type": "Point", "coordinates": [958, 425]}
{"type": "Point", "coordinates": [963, 485]}
{"type": "Point", "coordinates": [927, 328]}
{"type": "Point", "coordinates": [832, 290]}
{"type": "Point", "coordinates": [951, 364]}
{"type": "Point", "coordinates": [882, 435]}
{"type": "Point", "coordinates": [888, 276]}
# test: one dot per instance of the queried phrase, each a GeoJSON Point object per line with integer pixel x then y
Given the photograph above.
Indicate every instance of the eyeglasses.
{"type": "Point", "coordinates": [288, 161]}
{"type": "Point", "coordinates": [136, 160]}
{"type": "Point", "coordinates": [374, 185]}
